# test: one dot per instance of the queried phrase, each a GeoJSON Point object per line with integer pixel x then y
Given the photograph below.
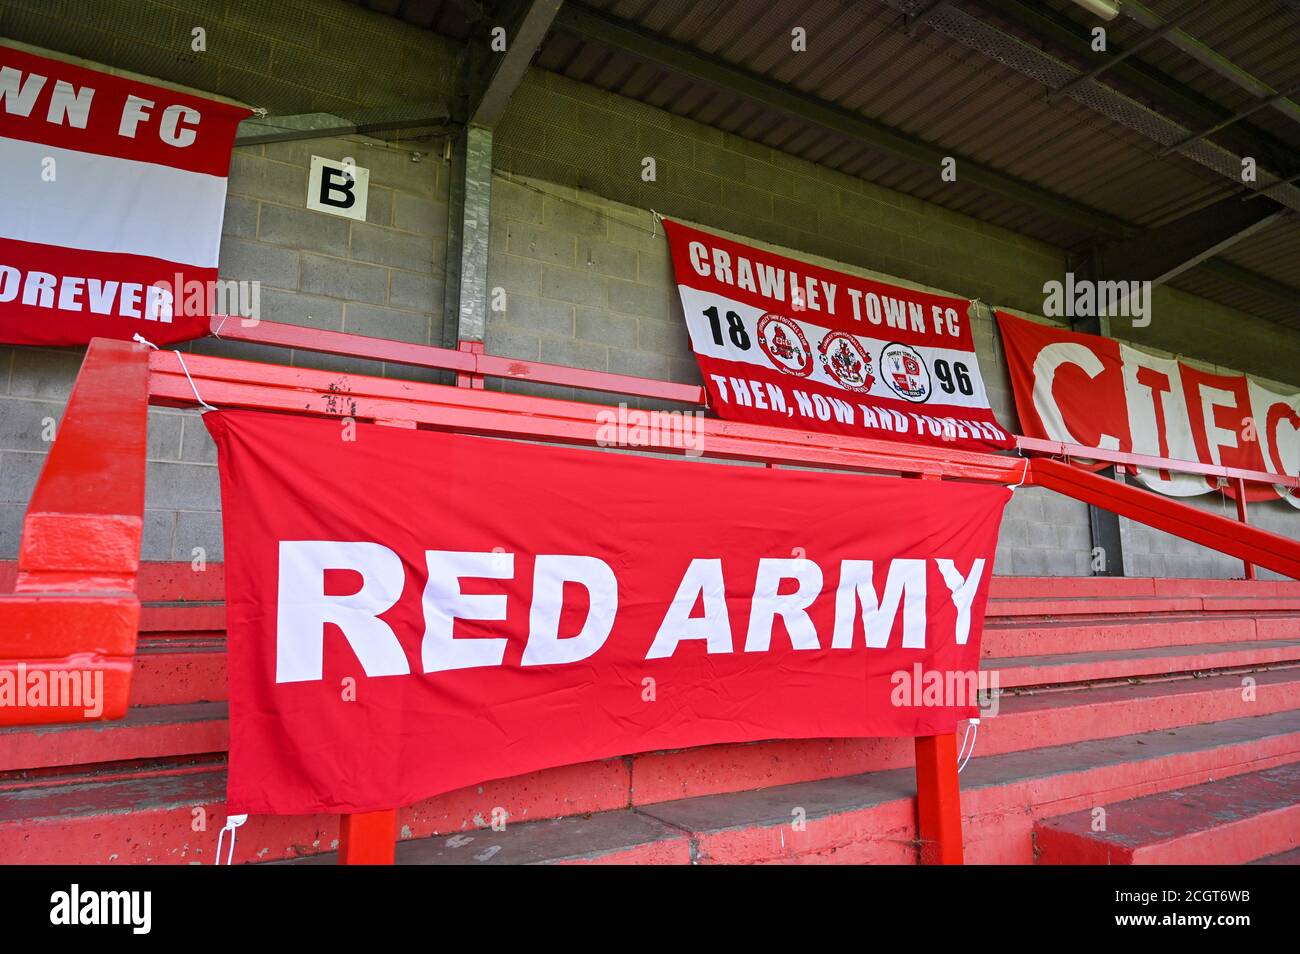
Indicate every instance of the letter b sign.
{"type": "Point", "coordinates": [338, 186]}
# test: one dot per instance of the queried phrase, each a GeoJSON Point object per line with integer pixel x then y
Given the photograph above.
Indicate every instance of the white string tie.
{"type": "Point", "coordinates": [972, 733]}
{"type": "Point", "coordinates": [232, 823]}
{"type": "Point", "coordinates": [145, 341]}
{"type": "Point", "coordinates": [1023, 477]}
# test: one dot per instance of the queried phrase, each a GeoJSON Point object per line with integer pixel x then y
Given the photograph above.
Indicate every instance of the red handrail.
{"type": "Point", "coordinates": [463, 361]}
{"type": "Point", "coordinates": [74, 615]}
{"type": "Point", "coordinates": [487, 365]}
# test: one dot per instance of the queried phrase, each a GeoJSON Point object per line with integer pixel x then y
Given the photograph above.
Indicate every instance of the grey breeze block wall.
{"type": "Point", "coordinates": [589, 284]}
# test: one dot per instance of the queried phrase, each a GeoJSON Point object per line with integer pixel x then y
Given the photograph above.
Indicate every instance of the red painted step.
{"type": "Point", "coordinates": [174, 671]}
{"type": "Point", "coordinates": [1039, 637]}
{"type": "Point", "coordinates": [1132, 663]}
{"type": "Point", "coordinates": [863, 817]}
{"type": "Point", "coordinates": [147, 732]}
{"type": "Point", "coordinates": [181, 581]}
{"type": "Point", "coordinates": [607, 838]}
{"type": "Point", "coordinates": [162, 617]}
{"type": "Point", "coordinates": [871, 818]}
{"type": "Point", "coordinates": [1291, 857]}
{"type": "Point", "coordinates": [1022, 722]}
{"type": "Point", "coordinates": [1227, 821]}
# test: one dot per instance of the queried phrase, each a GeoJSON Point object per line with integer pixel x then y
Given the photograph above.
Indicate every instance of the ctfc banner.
{"type": "Point", "coordinates": [1099, 392]}
{"type": "Point", "coordinates": [411, 612]}
{"type": "Point", "coordinates": [113, 193]}
{"type": "Point", "coordinates": [792, 344]}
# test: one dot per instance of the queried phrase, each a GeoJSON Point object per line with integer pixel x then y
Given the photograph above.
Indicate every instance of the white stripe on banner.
{"type": "Point", "coordinates": [694, 302]}
{"type": "Point", "coordinates": [105, 204]}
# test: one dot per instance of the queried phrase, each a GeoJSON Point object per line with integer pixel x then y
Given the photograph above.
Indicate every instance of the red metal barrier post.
{"type": "Point", "coordinates": [368, 839]}
{"type": "Point", "coordinates": [938, 800]}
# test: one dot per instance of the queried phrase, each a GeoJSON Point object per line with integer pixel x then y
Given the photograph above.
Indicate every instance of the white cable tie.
{"type": "Point", "coordinates": [145, 341]}
{"type": "Point", "coordinates": [1023, 478]}
{"type": "Point", "coordinates": [973, 731]}
{"type": "Point", "coordinates": [232, 822]}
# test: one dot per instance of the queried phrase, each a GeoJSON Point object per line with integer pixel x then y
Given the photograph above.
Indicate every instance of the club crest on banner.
{"type": "Point", "coordinates": [785, 345]}
{"type": "Point", "coordinates": [846, 361]}
{"type": "Point", "coordinates": [906, 373]}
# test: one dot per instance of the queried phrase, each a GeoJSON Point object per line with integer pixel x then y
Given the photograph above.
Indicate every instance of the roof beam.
{"type": "Point", "coordinates": [531, 26]}
{"type": "Point", "coordinates": [1165, 252]}
{"type": "Point", "coordinates": [589, 24]}
{"type": "Point", "coordinates": [1059, 31]}
{"type": "Point", "coordinates": [1234, 118]}
{"type": "Point", "coordinates": [1208, 56]}
{"type": "Point", "coordinates": [917, 20]}
{"type": "Point", "coordinates": [259, 129]}
{"type": "Point", "coordinates": [1245, 278]}
{"type": "Point", "coordinates": [1152, 38]}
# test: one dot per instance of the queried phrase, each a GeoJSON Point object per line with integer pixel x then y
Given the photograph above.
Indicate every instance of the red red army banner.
{"type": "Point", "coordinates": [1099, 392]}
{"type": "Point", "coordinates": [792, 344]}
{"type": "Point", "coordinates": [411, 612]}
{"type": "Point", "coordinates": [113, 191]}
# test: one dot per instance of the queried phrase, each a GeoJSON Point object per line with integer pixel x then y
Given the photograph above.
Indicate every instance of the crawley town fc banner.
{"type": "Point", "coordinates": [787, 343]}
{"type": "Point", "coordinates": [1099, 392]}
{"type": "Point", "coordinates": [411, 612]}
{"type": "Point", "coordinates": [111, 198]}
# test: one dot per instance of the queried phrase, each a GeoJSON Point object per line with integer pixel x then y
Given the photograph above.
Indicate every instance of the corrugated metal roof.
{"type": "Point", "coordinates": [942, 92]}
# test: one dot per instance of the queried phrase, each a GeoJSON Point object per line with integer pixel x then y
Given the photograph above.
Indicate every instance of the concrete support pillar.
{"type": "Point", "coordinates": [469, 206]}
{"type": "Point", "coordinates": [1103, 524]}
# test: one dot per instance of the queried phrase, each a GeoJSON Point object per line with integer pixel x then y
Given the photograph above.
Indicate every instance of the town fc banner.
{"type": "Point", "coordinates": [411, 612]}
{"type": "Point", "coordinates": [1099, 392]}
{"type": "Point", "coordinates": [112, 194]}
{"type": "Point", "coordinates": [792, 344]}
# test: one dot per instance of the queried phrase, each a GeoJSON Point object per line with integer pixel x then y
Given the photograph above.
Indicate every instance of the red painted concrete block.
{"type": "Point", "coordinates": [1227, 821]}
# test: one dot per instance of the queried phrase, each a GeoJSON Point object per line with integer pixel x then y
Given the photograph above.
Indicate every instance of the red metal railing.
{"type": "Point", "coordinates": [74, 614]}
{"type": "Point", "coordinates": [112, 518]}
{"type": "Point", "coordinates": [472, 367]}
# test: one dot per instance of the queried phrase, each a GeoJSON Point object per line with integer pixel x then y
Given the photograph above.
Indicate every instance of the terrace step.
{"type": "Point", "coordinates": [211, 616]}
{"type": "Point", "coordinates": [1023, 721]}
{"type": "Point", "coordinates": [1291, 857]}
{"type": "Point", "coordinates": [147, 732]}
{"type": "Point", "coordinates": [1227, 821]}
{"type": "Point", "coordinates": [1030, 636]}
{"type": "Point", "coordinates": [1082, 667]}
{"type": "Point", "coordinates": [193, 669]}
{"type": "Point", "coordinates": [871, 818]}
{"type": "Point", "coordinates": [174, 816]}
